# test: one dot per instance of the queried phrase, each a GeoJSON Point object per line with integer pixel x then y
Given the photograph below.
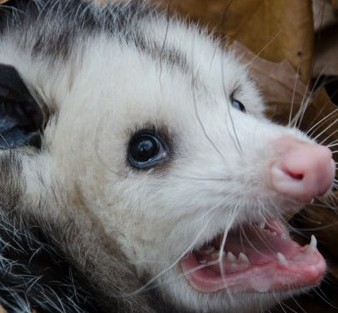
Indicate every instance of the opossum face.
{"type": "Point", "coordinates": [189, 177]}
{"type": "Point", "coordinates": [170, 150]}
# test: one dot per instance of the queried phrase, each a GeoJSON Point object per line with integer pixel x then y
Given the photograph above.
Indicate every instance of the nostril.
{"type": "Point", "coordinates": [296, 176]}
{"type": "Point", "coordinates": [301, 170]}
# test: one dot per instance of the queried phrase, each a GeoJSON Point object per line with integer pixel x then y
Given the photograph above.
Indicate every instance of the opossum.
{"type": "Point", "coordinates": [147, 162]}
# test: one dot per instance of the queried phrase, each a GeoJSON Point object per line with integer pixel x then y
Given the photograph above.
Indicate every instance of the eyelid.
{"type": "Point", "coordinates": [162, 155]}
{"type": "Point", "coordinates": [236, 90]}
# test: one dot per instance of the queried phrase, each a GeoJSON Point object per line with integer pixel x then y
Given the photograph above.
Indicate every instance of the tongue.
{"type": "Point", "coordinates": [255, 261]}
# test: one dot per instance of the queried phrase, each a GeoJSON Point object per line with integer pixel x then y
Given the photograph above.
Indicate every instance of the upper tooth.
{"type": "Point", "coordinates": [231, 257]}
{"type": "Point", "coordinates": [281, 258]}
{"type": "Point", "coordinates": [215, 255]}
{"type": "Point", "coordinates": [209, 250]}
{"type": "Point", "coordinates": [242, 257]}
{"type": "Point", "coordinates": [313, 242]}
{"type": "Point", "coordinates": [262, 225]}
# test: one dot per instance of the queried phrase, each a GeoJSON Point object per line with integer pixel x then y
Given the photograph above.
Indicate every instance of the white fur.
{"type": "Point", "coordinates": [216, 179]}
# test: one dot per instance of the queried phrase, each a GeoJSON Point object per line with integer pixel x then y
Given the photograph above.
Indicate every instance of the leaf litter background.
{"type": "Point", "coordinates": [291, 47]}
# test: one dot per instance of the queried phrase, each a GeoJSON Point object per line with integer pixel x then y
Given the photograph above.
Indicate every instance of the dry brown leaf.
{"type": "Point", "coordinates": [323, 14]}
{"type": "Point", "coordinates": [281, 86]}
{"type": "Point", "coordinates": [327, 53]}
{"type": "Point", "coordinates": [279, 30]}
{"type": "Point", "coordinates": [276, 30]}
{"type": "Point", "coordinates": [326, 24]}
{"type": "Point", "coordinates": [277, 81]}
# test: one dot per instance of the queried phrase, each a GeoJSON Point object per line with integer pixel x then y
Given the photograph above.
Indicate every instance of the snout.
{"type": "Point", "coordinates": [300, 170]}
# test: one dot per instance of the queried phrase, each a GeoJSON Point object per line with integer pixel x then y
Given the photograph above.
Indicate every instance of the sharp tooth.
{"type": "Point", "coordinates": [283, 236]}
{"type": "Point", "coordinates": [215, 255]}
{"type": "Point", "coordinates": [310, 248]}
{"type": "Point", "coordinates": [208, 250]}
{"type": "Point", "coordinates": [203, 262]}
{"type": "Point", "coordinates": [242, 257]}
{"type": "Point", "coordinates": [231, 257]}
{"type": "Point", "coordinates": [262, 225]}
{"type": "Point", "coordinates": [281, 258]}
{"type": "Point", "coordinates": [313, 242]}
{"type": "Point", "coordinates": [274, 233]}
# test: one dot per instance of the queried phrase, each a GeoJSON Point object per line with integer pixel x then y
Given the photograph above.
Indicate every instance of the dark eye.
{"type": "Point", "coordinates": [238, 105]}
{"type": "Point", "coordinates": [146, 150]}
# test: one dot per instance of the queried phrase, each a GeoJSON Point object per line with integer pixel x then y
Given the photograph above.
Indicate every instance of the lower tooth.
{"type": "Point", "coordinates": [281, 258]}
{"type": "Point", "coordinates": [242, 257]}
{"type": "Point", "coordinates": [231, 257]}
{"type": "Point", "coordinates": [313, 242]}
{"type": "Point", "coordinates": [310, 248]}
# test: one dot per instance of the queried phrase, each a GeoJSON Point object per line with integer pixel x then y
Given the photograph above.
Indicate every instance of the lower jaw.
{"type": "Point", "coordinates": [270, 277]}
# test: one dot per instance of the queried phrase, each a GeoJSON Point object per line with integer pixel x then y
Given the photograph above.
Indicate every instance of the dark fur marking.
{"type": "Point", "coordinates": [20, 115]}
{"type": "Point", "coordinates": [54, 29]}
{"type": "Point", "coordinates": [170, 55]}
{"type": "Point", "coordinates": [35, 275]}
{"type": "Point", "coordinates": [57, 25]}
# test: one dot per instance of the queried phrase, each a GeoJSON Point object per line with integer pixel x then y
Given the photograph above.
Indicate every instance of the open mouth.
{"type": "Point", "coordinates": [262, 258]}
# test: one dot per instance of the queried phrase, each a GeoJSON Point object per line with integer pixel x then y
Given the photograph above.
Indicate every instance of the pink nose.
{"type": "Point", "coordinates": [301, 170]}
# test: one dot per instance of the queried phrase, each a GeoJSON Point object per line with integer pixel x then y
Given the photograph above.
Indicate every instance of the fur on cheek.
{"type": "Point", "coordinates": [34, 273]}
{"type": "Point", "coordinates": [48, 262]}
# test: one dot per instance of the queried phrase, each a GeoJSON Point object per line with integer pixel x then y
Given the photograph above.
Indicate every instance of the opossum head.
{"type": "Point", "coordinates": [161, 135]}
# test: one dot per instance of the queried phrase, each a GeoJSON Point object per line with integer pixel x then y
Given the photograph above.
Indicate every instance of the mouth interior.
{"type": "Point", "coordinates": [257, 258]}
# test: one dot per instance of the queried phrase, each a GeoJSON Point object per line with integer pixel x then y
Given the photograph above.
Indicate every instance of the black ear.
{"type": "Point", "coordinates": [20, 115]}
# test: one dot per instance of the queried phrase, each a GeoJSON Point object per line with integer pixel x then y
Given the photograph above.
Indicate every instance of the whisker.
{"type": "Point", "coordinates": [298, 118]}
{"type": "Point", "coordinates": [324, 298]}
{"type": "Point", "coordinates": [235, 140]}
{"type": "Point", "coordinates": [306, 101]}
{"type": "Point", "coordinates": [333, 144]}
{"type": "Point", "coordinates": [165, 37]}
{"type": "Point", "coordinates": [199, 119]}
{"type": "Point", "coordinates": [232, 218]}
{"type": "Point", "coordinates": [328, 137]}
{"type": "Point", "coordinates": [308, 132]}
{"type": "Point", "coordinates": [298, 305]}
{"type": "Point", "coordinates": [293, 97]}
{"type": "Point", "coordinates": [147, 285]}
{"type": "Point", "coordinates": [258, 54]}
{"type": "Point", "coordinates": [323, 131]}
